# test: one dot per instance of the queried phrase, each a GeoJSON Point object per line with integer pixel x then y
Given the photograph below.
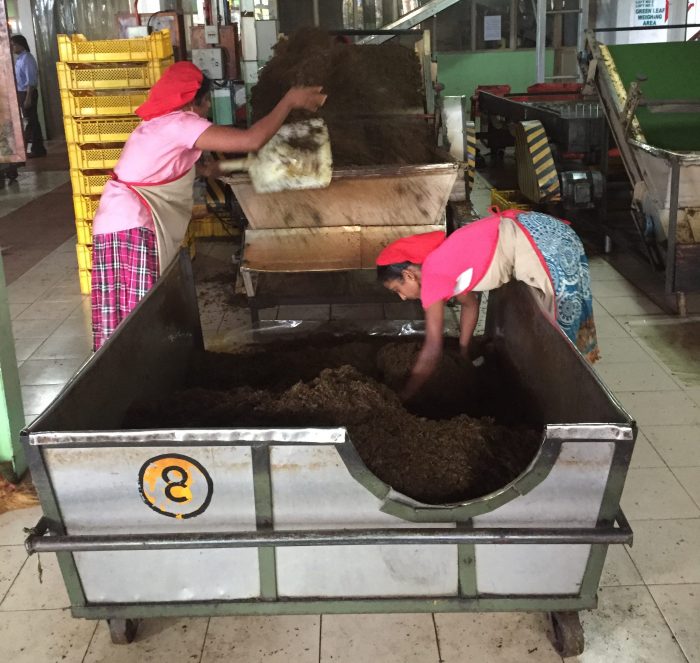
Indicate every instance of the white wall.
{"type": "Point", "coordinates": [621, 13]}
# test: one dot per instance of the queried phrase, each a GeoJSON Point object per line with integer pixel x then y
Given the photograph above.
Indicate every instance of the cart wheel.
{"type": "Point", "coordinates": [568, 633]}
{"type": "Point", "coordinates": [122, 631]}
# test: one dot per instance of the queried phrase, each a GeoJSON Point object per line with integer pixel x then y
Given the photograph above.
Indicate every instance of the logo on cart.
{"type": "Point", "coordinates": [175, 485]}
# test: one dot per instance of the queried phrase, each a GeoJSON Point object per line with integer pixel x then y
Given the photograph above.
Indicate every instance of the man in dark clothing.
{"type": "Point", "coordinates": [27, 78]}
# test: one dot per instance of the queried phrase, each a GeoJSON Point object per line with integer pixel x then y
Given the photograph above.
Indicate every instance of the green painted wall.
{"type": "Point", "coordinates": [460, 73]}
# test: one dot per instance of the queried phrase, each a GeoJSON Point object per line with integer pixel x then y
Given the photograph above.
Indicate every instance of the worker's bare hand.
{"type": "Point", "coordinates": [308, 98]}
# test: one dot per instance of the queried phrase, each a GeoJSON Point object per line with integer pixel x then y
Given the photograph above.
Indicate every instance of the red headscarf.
{"type": "Point", "coordinates": [413, 249]}
{"type": "Point", "coordinates": [176, 87]}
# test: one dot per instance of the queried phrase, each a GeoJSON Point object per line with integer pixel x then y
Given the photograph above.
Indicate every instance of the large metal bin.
{"type": "Point", "coordinates": [290, 520]}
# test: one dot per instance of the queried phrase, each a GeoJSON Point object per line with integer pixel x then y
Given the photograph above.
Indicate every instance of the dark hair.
{"type": "Point", "coordinates": [20, 41]}
{"type": "Point", "coordinates": [386, 273]}
{"type": "Point", "coordinates": [202, 92]}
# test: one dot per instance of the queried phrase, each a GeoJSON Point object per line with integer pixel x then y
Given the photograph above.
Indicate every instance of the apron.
{"type": "Point", "coordinates": [516, 258]}
{"type": "Point", "coordinates": [170, 204]}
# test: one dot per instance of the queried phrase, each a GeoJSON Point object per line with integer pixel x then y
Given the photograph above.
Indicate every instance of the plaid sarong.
{"type": "Point", "coordinates": [124, 269]}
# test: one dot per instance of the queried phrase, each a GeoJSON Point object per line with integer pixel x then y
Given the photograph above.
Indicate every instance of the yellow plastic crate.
{"type": "Point", "coordinates": [211, 226]}
{"type": "Point", "coordinates": [107, 130]}
{"type": "Point", "coordinates": [93, 104]}
{"type": "Point", "coordinates": [85, 208]}
{"type": "Point", "coordinates": [88, 184]}
{"type": "Point", "coordinates": [83, 229]}
{"type": "Point", "coordinates": [84, 157]}
{"type": "Point", "coordinates": [75, 48]}
{"type": "Point", "coordinates": [132, 75]}
{"type": "Point", "coordinates": [505, 199]}
{"type": "Point", "coordinates": [84, 253]}
{"type": "Point", "coordinates": [85, 281]}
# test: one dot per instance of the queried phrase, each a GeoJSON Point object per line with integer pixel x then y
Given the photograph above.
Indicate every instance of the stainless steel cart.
{"type": "Point", "coordinates": [197, 522]}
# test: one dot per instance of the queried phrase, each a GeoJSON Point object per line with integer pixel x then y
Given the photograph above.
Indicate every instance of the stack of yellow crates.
{"type": "Point", "coordinates": [102, 83]}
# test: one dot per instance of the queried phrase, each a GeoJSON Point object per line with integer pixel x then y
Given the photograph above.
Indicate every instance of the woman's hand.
{"type": "Point", "coordinates": [307, 98]}
{"type": "Point", "coordinates": [430, 354]}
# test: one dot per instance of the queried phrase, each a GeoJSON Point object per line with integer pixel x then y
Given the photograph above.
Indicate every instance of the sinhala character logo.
{"type": "Point", "coordinates": [175, 485]}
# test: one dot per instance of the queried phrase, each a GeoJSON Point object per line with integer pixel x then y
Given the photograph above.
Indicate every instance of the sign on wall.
{"type": "Point", "coordinates": [650, 13]}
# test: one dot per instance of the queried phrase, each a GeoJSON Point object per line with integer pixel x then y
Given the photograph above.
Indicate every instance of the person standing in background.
{"type": "Point", "coordinates": [27, 79]}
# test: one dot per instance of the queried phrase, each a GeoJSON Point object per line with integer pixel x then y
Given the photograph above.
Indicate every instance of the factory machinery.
{"type": "Point", "coordinates": [224, 521]}
{"type": "Point", "coordinates": [619, 152]}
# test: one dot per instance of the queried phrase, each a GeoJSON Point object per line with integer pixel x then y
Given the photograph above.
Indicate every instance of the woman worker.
{"type": "Point", "coordinates": [146, 206]}
{"type": "Point", "coordinates": [538, 249]}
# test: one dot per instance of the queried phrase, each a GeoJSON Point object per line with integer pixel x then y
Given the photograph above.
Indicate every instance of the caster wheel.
{"type": "Point", "coordinates": [568, 633]}
{"type": "Point", "coordinates": [122, 631]}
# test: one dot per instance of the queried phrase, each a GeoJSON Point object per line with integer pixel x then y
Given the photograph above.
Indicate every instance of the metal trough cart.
{"type": "Point", "coordinates": [176, 522]}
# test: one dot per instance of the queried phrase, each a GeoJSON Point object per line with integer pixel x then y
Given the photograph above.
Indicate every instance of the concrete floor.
{"type": "Point", "coordinates": [649, 599]}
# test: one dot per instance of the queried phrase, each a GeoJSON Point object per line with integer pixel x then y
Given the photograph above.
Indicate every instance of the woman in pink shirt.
{"type": "Point", "coordinates": [537, 249]}
{"type": "Point", "coordinates": [146, 206]}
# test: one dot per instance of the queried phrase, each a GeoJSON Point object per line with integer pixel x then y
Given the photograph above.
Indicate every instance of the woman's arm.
{"type": "Point", "coordinates": [430, 353]}
{"type": "Point", "coordinates": [467, 320]}
{"type": "Point", "coordinates": [228, 139]}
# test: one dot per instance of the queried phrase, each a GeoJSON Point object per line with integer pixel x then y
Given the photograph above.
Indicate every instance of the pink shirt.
{"type": "Point", "coordinates": [158, 150]}
{"type": "Point", "coordinates": [460, 262]}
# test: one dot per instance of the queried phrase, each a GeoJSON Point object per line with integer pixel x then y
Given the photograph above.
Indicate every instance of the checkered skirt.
{"type": "Point", "coordinates": [124, 269]}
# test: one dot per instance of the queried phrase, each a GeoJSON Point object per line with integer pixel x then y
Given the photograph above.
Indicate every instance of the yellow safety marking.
{"type": "Point", "coordinates": [547, 165]}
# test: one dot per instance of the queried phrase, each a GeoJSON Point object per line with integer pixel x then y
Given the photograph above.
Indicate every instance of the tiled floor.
{"type": "Point", "coordinates": [650, 595]}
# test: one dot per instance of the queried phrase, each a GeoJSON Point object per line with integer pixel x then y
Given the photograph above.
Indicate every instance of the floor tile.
{"type": "Point", "coordinates": [644, 455]}
{"type": "Point", "coordinates": [44, 636]}
{"type": "Point", "coordinates": [46, 310]}
{"type": "Point", "coordinates": [680, 605]}
{"type": "Point", "coordinates": [629, 305]}
{"type": "Point", "coordinates": [74, 326]}
{"type": "Point", "coordinates": [655, 494]}
{"type": "Point", "coordinates": [279, 639]}
{"type": "Point", "coordinates": [510, 637]}
{"type": "Point", "coordinates": [37, 398]}
{"type": "Point", "coordinates": [157, 641]}
{"type": "Point", "coordinates": [619, 569]}
{"type": "Point", "coordinates": [694, 393]}
{"type": "Point", "coordinates": [614, 288]}
{"type": "Point", "coordinates": [60, 293]}
{"type": "Point", "coordinates": [11, 560]}
{"type": "Point", "coordinates": [603, 271]}
{"type": "Point", "coordinates": [623, 350]}
{"type": "Point", "coordinates": [679, 446]}
{"type": "Point", "coordinates": [658, 408]}
{"type": "Point", "coordinates": [17, 308]}
{"type": "Point", "coordinates": [666, 551]}
{"type": "Point", "coordinates": [690, 480]}
{"type": "Point", "coordinates": [378, 638]}
{"type": "Point", "coordinates": [607, 327]}
{"type": "Point", "coordinates": [34, 328]}
{"type": "Point", "coordinates": [48, 371]}
{"type": "Point", "coordinates": [627, 627]}
{"type": "Point", "coordinates": [640, 376]}
{"type": "Point", "coordinates": [27, 593]}
{"type": "Point", "coordinates": [19, 293]}
{"type": "Point", "coordinates": [60, 347]}
{"type": "Point", "coordinates": [12, 524]}
{"type": "Point", "coordinates": [25, 347]}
